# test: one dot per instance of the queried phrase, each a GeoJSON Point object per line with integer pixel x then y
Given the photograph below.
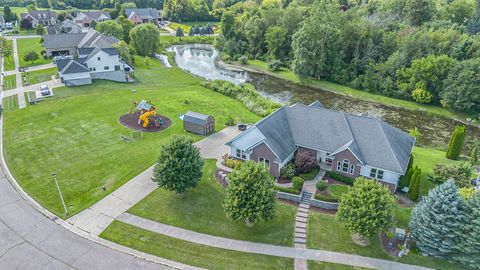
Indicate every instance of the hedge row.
{"type": "Point", "coordinates": [341, 178]}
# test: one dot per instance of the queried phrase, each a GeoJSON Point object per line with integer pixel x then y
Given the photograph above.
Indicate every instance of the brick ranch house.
{"type": "Point", "coordinates": [348, 144]}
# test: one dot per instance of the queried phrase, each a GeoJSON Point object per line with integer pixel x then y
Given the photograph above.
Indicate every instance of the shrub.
{"type": "Point", "coordinates": [274, 65]}
{"type": "Point", "coordinates": [339, 177]}
{"type": "Point", "coordinates": [186, 102]}
{"type": "Point", "coordinates": [414, 186]}
{"type": "Point", "coordinates": [456, 142]}
{"type": "Point", "coordinates": [230, 121]}
{"type": "Point", "coordinates": [325, 197]}
{"type": "Point", "coordinates": [305, 161]}
{"type": "Point", "coordinates": [287, 190]}
{"type": "Point", "coordinates": [288, 171]}
{"type": "Point", "coordinates": [297, 183]}
{"type": "Point", "coordinates": [322, 185]}
{"type": "Point", "coordinates": [232, 163]}
{"type": "Point", "coordinates": [243, 59]}
{"type": "Point", "coordinates": [422, 96]}
{"type": "Point", "coordinates": [311, 174]}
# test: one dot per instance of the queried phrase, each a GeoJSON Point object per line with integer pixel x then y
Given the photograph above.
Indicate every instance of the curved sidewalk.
{"type": "Point", "coordinates": [33, 238]}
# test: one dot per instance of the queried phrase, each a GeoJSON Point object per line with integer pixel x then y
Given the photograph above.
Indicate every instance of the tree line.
{"type": "Point", "coordinates": [427, 51]}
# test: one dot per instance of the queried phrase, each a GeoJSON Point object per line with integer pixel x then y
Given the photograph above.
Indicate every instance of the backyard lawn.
{"type": "Point", "coordinates": [10, 103]}
{"type": "Point", "coordinates": [26, 45]}
{"type": "Point", "coordinates": [76, 134]}
{"type": "Point", "coordinates": [10, 82]}
{"type": "Point", "coordinates": [8, 63]}
{"type": "Point", "coordinates": [190, 253]}
{"type": "Point", "coordinates": [38, 76]}
{"type": "Point", "coordinates": [314, 265]}
{"type": "Point", "coordinates": [201, 210]}
{"type": "Point", "coordinates": [325, 232]}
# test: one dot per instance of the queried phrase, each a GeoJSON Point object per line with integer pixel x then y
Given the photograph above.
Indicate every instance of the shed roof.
{"type": "Point", "coordinates": [195, 118]}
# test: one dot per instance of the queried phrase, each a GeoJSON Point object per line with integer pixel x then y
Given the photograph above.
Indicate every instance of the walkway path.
{"type": "Point", "coordinates": [266, 249]}
{"type": "Point", "coordinates": [97, 217]}
{"type": "Point", "coordinates": [22, 103]}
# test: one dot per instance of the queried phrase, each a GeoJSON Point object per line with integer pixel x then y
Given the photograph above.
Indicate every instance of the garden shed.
{"type": "Point", "coordinates": [198, 123]}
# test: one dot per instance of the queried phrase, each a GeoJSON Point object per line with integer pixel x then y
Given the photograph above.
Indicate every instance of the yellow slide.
{"type": "Point", "coordinates": [144, 118]}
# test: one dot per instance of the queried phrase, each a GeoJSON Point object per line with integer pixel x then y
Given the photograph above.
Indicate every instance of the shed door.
{"type": "Point", "coordinates": [209, 128]}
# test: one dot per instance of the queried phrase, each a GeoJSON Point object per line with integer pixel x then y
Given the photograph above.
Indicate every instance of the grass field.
{"type": "Point", "coordinates": [10, 82]}
{"type": "Point", "coordinates": [325, 232]}
{"type": "Point", "coordinates": [31, 44]}
{"type": "Point", "coordinates": [76, 134]}
{"type": "Point", "coordinates": [289, 75]}
{"type": "Point", "coordinates": [201, 210]}
{"type": "Point", "coordinates": [314, 265]}
{"type": "Point", "coordinates": [10, 103]}
{"type": "Point", "coordinates": [190, 253]}
{"type": "Point", "coordinates": [9, 64]}
{"type": "Point", "coordinates": [38, 76]}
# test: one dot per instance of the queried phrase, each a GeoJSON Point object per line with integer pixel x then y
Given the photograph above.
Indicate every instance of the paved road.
{"type": "Point", "coordinates": [31, 240]}
{"type": "Point", "coordinates": [97, 217]}
{"type": "Point", "coordinates": [252, 247]}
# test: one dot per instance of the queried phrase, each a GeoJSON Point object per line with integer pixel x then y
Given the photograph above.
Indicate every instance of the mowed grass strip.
{"type": "Point", "coordinates": [25, 45]}
{"type": "Point", "coordinates": [38, 76]}
{"type": "Point", "coordinates": [315, 265]}
{"type": "Point", "coordinates": [190, 253]}
{"type": "Point", "coordinates": [201, 210]}
{"type": "Point", "coordinates": [10, 103]}
{"type": "Point", "coordinates": [8, 61]}
{"type": "Point", "coordinates": [76, 134]}
{"type": "Point", "coordinates": [10, 82]}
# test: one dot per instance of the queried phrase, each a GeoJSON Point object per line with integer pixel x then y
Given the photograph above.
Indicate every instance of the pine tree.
{"type": "Point", "coordinates": [405, 179]}
{"type": "Point", "coordinates": [436, 220]}
{"type": "Point", "coordinates": [469, 247]}
{"type": "Point", "coordinates": [456, 143]}
{"type": "Point", "coordinates": [474, 152]}
{"type": "Point", "coordinates": [414, 185]}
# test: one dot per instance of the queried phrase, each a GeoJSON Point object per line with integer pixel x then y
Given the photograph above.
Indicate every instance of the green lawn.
{"type": "Point", "coordinates": [337, 190]}
{"type": "Point", "coordinates": [402, 216]}
{"type": "Point", "coordinates": [310, 175]}
{"type": "Point", "coordinates": [31, 44]}
{"type": "Point", "coordinates": [76, 134]}
{"type": "Point", "coordinates": [426, 159]}
{"type": "Point", "coordinates": [10, 103]}
{"type": "Point", "coordinates": [10, 82]}
{"type": "Point", "coordinates": [190, 253]}
{"type": "Point", "coordinates": [201, 210]}
{"type": "Point", "coordinates": [9, 64]}
{"type": "Point", "coordinates": [325, 232]}
{"type": "Point", "coordinates": [314, 265]}
{"type": "Point", "coordinates": [38, 76]}
{"type": "Point", "coordinates": [289, 75]}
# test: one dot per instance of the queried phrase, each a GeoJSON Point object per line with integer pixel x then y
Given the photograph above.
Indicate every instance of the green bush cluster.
{"type": "Point", "coordinates": [297, 183]}
{"type": "Point", "coordinates": [456, 143]}
{"type": "Point", "coordinates": [321, 185]}
{"type": "Point", "coordinates": [288, 171]}
{"type": "Point", "coordinates": [230, 121]}
{"type": "Point", "coordinates": [287, 190]}
{"type": "Point", "coordinates": [246, 93]}
{"type": "Point", "coordinates": [414, 185]}
{"type": "Point", "coordinates": [341, 178]}
{"type": "Point", "coordinates": [232, 163]}
{"type": "Point", "coordinates": [325, 197]}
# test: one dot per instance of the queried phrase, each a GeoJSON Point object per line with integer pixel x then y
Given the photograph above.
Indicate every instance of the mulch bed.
{"type": "Point", "coordinates": [392, 248]}
{"type": "Point", "coordinates": [219, 178]}
{"type": "Point", "coordinates": [283, 181]}
{"type": "Point", "coordinates": [131, 122]}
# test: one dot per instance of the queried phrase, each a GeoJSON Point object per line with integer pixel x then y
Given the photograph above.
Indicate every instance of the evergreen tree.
{"type": "Point", "coordinates": [456, 143]}
{"type": "Point", "coordinates": [250, 194]}
{"type": "Point", "coordinates": [191, 32]}
{"type": "Point", "coordinates": [414, 185]}
{"type": "Point", "coordinates": [435, 223]}
{"type": "Point", "coordinates": [405, 179]}
{"type": "Point", "coordinates": [179, 32]}
{"type": "Point", "coordinates": [474, 152]}
{"type": "Point", "coordinates": [469, 247]}
{"type": "Point", "coordinates": [8, 14]}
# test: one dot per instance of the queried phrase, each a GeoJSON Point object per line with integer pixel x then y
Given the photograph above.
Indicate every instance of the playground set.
{"type": "Point", "coordinates": [144, 117]}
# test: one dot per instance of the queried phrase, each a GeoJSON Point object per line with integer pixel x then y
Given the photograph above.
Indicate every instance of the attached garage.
{"type": "Point", "coordinates": [198, 123]}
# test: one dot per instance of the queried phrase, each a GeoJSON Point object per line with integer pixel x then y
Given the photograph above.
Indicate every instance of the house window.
{"type": "Point", "coordinates": [329, 161]}
{"type": "Point", "coordinates": [345, 166]}
{"type": "Point", "coordinates": [98, 58]}
{"type": "Point", "coordinates": [241, 154]}
{"type": "Point", "coordinates": [106, 68]}
{"type": "Point", "coordinates": [117, 68]}
{"type": "Point", "coordinates": [94, 69]}
{"type": "Point", "coordinates": [338, 166]}
{"type": "Point", "coordinates": [352, 169]}
{"type": "Point", "coordinates": [377, 174]}
{"type": "Point", "coordinates": [264, 161]}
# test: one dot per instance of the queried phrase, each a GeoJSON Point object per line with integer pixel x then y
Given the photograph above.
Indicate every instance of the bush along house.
{"type": "Point", "coordinates": [350, 145]}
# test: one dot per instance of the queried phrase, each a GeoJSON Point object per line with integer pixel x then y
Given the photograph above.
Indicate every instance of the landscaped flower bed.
{"type": "Point", "coordinates": [332, 192]}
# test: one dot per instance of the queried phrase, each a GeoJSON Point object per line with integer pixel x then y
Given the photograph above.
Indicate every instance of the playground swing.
{"type": "Point", "coordinates": [134, 135]}
{"type": "Point", "coordinates": [148, 114]}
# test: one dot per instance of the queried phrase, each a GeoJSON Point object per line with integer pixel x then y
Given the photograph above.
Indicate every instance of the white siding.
{"type": "Point", "coordinates": [388, 176]}
{"type": "Point", "coordinates": [105, 60]}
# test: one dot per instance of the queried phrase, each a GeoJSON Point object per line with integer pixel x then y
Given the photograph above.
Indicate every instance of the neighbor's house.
{"type": "Point", "coordinates": [67, 44]}
{"type": "Point", "coordinates": [86, 18]}
{"type": "Point", "coordinates": [142, 15]}
{"type": "Point", "coordinates": [94, 63]}
{"type": "Point", "coordinates": [348, 144]}
{"type": "Point", "coordinates": [43, 17]}
{"type": "Point", "coordinates": [66, 27]}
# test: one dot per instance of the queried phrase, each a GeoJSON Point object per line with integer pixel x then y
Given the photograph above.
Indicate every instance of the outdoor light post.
{"type": "Point", "coordinates": [60, 192]}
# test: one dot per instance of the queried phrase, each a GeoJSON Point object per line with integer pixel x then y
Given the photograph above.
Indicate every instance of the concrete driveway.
{"type": "Point", "coordinates": [214, 145]}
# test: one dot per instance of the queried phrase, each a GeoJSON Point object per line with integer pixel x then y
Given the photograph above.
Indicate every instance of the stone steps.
{"type": "Point", "coordinates": [301, 225]}
{"type": "Point", "coordinates": [301, 219]}
{"type": "Point", "coordinates": [299, 240]}
{"type": "Point", "coordinates": [300, 230]}
{"type": "Point", "coordinates": [302, 214]}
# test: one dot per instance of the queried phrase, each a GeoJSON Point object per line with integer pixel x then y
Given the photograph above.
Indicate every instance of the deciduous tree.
{"type": "Point", "coordinates": [31, 56]}
{"type": "Point", "coordinates": [110, 28]}
{"type": "Point", "coordinates": [145, 39]}
{"type": "Point", "coordinates": [40, 30]}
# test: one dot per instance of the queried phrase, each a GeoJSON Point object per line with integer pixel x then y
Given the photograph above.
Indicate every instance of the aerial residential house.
{"type": "Point", "coordinates": [43, 17]}
{"type": "Point", "coordinates": [86, 18]}
{"type": "Point", "coordinates": [66, 27]}
{"type": "Point", "coordinates": [94, 63]}
{"type": "Point", "coordinates": [348, 144]}
{"type": "Point", "coordinates": [67, 44]}
{"type": "Point", "coordinates": [143, 15]}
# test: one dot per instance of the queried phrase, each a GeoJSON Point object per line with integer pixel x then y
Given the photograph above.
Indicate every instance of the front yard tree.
{"type": "Point", "coordinates": [31, 56]}
{"type": "Point", "coordinates": [40, 30]}
{"type": "Point", "coordinates": [250, 194]}
{"type": "Point", "coordinates": [5, 49]}
{"type": "Point", "coordinates": [8, 14]}
{"type": "Point", "coordinates": [456, 143]}
{"type": "Point", "coordinates": [179, 166]}
{"type": "Point", "coordinates": [469, 248]}
{"type": "Point", "coordinates": [366, 208]}
{"type": "Point", "coordinates": [414, 185]}
{"type": "Point", "coordinates": [305, 161]}
{"type": "Point", "coordinates": [110, 28]}
{"type": "Point", "coordinates": [26, 24]}
{"type": "Point", "coordinates": [145, 39]}
{"type": "Point", "coordinates": [474, 152]}
{"type": "Point", "coordinates": [435, 221]}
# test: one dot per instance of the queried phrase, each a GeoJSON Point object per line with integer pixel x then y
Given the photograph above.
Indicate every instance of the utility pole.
{"type": "Point", "coordinates": [60, 192]}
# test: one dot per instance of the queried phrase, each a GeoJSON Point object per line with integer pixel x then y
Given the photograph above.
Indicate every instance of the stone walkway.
{"type": "Point", "coordinates": [266, 249]}
{"type": "Point", "coordinates": [301, 220]}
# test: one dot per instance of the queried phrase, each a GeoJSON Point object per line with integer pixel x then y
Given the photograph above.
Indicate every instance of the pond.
{"type": "Point", "coordinates": [202, 60]}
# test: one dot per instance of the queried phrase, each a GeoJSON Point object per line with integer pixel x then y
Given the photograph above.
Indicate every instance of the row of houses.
{"type": "Point", "coordinates": [83, 20]}
{"type": "Point", "coordinates": [83, 57]}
